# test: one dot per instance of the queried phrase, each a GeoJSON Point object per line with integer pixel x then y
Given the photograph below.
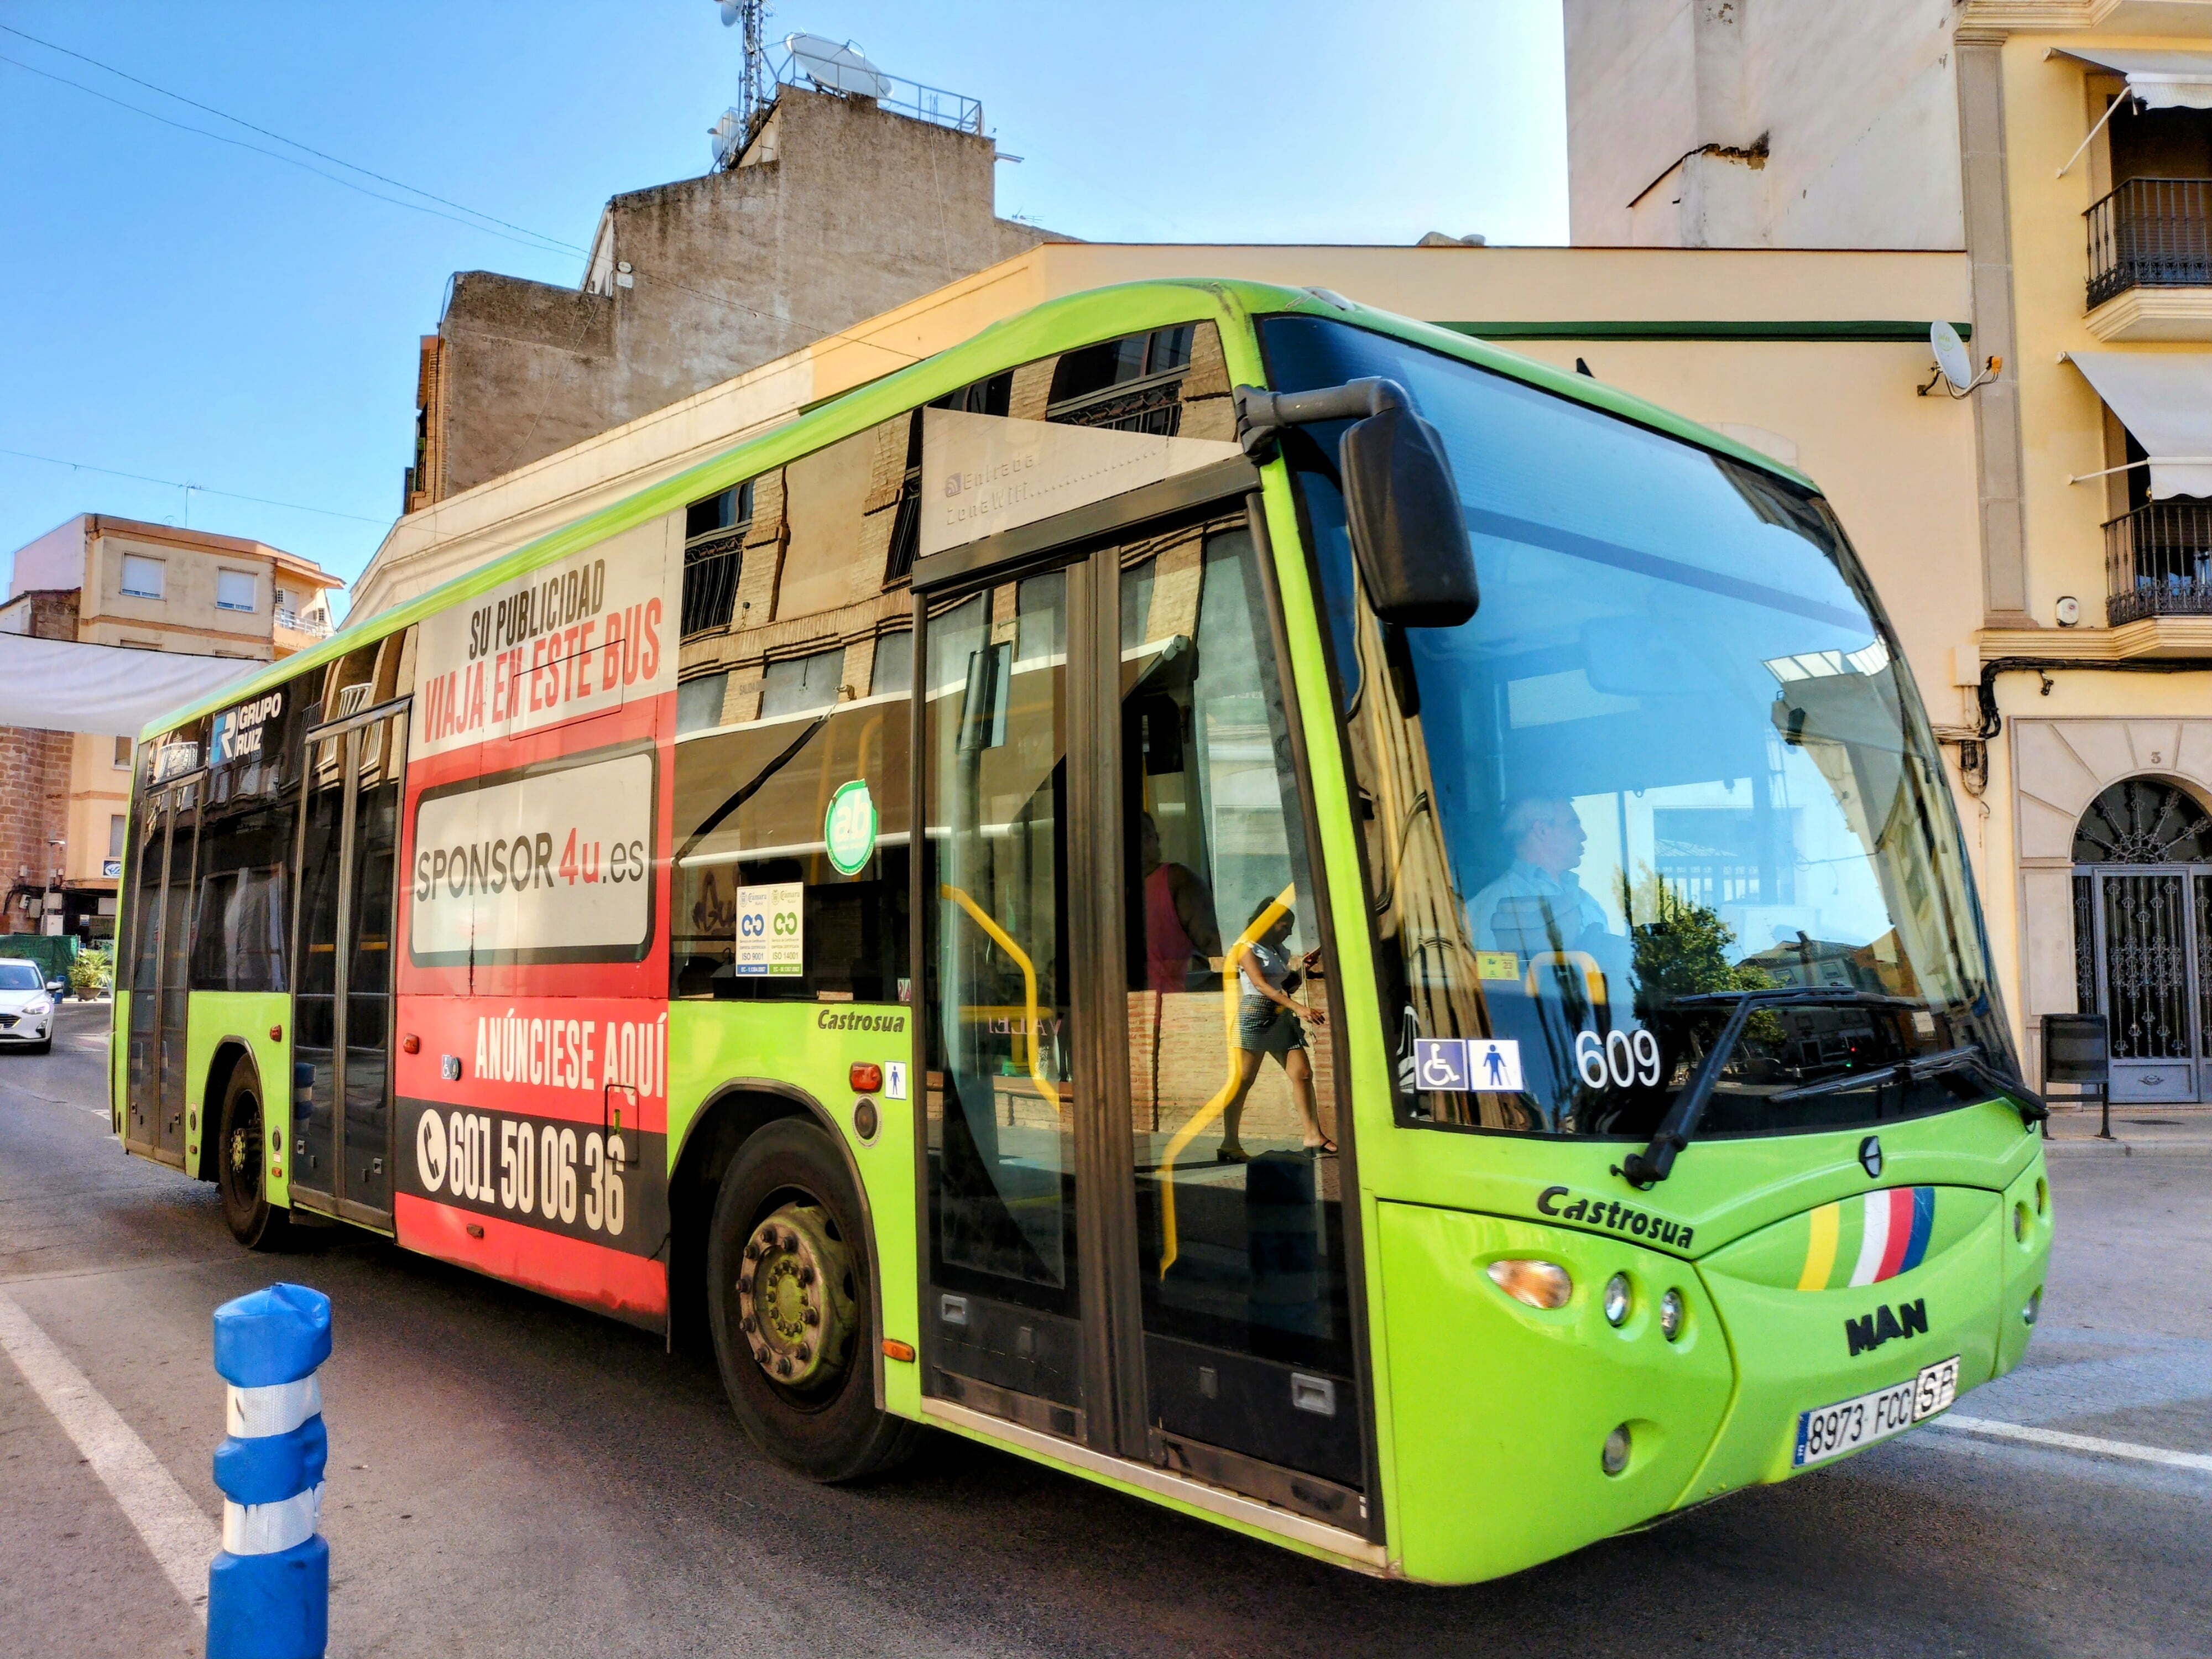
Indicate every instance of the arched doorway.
{"type": "Point", "coordinates": [2142, 935]}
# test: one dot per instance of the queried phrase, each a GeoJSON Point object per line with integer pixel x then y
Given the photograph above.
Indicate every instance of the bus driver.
{"type": "Point", "coordinates": [1538, 904]}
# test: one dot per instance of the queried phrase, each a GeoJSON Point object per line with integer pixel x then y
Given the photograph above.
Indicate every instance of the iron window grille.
{"type": "Point", "coordinates": [714, 531]}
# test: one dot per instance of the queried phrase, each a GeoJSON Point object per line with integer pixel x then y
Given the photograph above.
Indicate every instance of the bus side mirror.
{"type": "Point", "coordinates": [1401, 506]}
{"type": "Point", "coordinates": [1408, 533]}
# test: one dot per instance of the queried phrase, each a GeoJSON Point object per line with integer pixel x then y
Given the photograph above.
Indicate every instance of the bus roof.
{"type": "Point", "coordinates": [1056, 326]}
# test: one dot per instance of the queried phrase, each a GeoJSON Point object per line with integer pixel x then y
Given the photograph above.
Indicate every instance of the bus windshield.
{"type": "Point", "coordinates": [1675, 757]}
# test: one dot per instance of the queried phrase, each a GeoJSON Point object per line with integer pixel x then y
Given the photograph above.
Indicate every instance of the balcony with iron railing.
{"type": "Point", "coordinates": [2158, 562]}
{"type": "Point", "coordinates": [2150, 233]}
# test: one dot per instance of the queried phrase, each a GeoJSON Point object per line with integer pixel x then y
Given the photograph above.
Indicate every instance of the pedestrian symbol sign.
{"type": "Point", "coordinates": [1494, 1063]}
{"type": "Point", "coordinates": [1466, 1064]}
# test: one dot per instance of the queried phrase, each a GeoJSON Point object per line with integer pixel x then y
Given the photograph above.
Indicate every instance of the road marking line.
{"type": "Point", "coordinates": [180, 1537]}
{"type": "Point", "coordinates": [2080, 1443]}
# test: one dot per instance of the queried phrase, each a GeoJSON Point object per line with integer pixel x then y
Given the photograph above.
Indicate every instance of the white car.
{"type": "Point", "coordinates": [26, 1005]}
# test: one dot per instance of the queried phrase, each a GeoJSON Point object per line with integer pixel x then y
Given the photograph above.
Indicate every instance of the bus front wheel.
{"type": "Point", "coordinates": [253, 1221]}
{"type": "Point", "coordinates": [787, 1295]}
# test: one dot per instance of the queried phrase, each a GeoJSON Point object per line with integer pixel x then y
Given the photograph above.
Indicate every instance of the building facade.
{"type": "Point", "coordinates": [104, 581]}
{"type": "Point", "coordinates": [838, 208]}
{"type": "Point", "coordinates": [2065, 147]}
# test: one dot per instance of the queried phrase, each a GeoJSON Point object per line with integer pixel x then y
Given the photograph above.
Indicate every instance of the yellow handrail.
{"type": "Point", "coordinates": [1204, 1117]}
{"type": "Point", "coordinates": [1593, 976]}
{"type": "Point", "coordinates": [1046, 1088]}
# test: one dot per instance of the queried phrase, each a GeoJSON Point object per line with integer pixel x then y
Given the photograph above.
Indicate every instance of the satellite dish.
{"type": "Point", "coordinates": [732, 10]}
{"type": "Point", "coordinates": [833, 68]}
{"type": "Point", "coordinates": [1951, 355]}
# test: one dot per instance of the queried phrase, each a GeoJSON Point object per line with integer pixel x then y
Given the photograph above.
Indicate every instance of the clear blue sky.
{"type": "Point", "coordinates": [187, 309]}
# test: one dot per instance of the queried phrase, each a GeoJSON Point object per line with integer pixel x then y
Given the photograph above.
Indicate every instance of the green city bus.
{"type": "Point", "coordinates": [1254, 901]}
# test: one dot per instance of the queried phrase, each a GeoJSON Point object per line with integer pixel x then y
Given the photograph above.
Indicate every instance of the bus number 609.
{"type": "Point", "coordinates": [1619, 1059]}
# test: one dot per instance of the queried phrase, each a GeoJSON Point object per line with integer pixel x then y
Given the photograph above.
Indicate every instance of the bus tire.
{"type": "Point", "coordinates": [787, 1277]}
{"type": "Point", "coordinates": [253, 1221]}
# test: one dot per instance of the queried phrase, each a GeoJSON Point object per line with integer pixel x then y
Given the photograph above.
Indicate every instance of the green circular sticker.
{"type": "Point", "coordinates": [850, 827]}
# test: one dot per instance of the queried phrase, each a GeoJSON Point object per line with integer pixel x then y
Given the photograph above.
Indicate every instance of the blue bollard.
{"type": "Point", "coordinates": [269, 1591]}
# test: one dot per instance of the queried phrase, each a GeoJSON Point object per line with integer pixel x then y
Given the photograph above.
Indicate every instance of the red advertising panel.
{"type": "Point", "coordinates": [532, 1106]}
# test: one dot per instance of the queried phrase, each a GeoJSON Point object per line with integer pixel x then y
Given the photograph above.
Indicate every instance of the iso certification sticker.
{"type": "Point", "coordinates": [772, 929]}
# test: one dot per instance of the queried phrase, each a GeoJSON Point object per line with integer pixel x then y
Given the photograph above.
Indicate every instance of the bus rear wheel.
{"type": "Point", "coordinates": [253, 1221]}
{"type": "Point", "coordinates": [787, 1277]}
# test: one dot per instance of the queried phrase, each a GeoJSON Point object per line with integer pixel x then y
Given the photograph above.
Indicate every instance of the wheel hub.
{"type": "Point", "coordinates": [244, 1166]}
{"type": "Point", "coordinates": [793, 1306]}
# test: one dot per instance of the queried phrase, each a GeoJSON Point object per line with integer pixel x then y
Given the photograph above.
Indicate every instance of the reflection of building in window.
{"type": "Point", "coordinates": [1716, 855]}
{"type": "Point", "coordinates": [796, 608]}
{"type": "Point", "coordinates": [799, 684]}
{"type": "Point", "coordinates": [699, 702]}
{"type": "Point", "coordinates": [713, 557]}
{"type": "Point", "coordinates": [1133, 384]}
{"type": "Point", "coordinates": [1041, 618]}
{"type": "Point", "coordinates": [893, 671]}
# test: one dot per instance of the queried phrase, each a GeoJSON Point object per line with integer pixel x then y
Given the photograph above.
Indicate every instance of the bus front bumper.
{"type": "Point", "coordinates": [1831, 1361]}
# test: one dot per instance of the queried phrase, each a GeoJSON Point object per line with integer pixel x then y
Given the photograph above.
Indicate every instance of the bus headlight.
{"type": "Point", "coordinates": [1616, 1299]}
{"type": "Point", "coordinates": [1614, 1458]}
{"type": "Point", "coordinates": [2033, 1310]}
{"type": "Point", "coordinates": [1539, 1284]}
{"type": "Point", "coordinates": [1671, 1315]}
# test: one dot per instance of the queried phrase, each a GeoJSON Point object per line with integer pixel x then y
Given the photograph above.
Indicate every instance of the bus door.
{"type": "Point", "coordinates": [1135, 1217]}
{"type": "Point", "coordinates": [1006, 1092]}
{"type": "Point", "coordinates": [161, 951]}
{"type": "Point", "coordinates": [1244, 1281]}
{"type": "Point", "coordinates": [341, 1010]}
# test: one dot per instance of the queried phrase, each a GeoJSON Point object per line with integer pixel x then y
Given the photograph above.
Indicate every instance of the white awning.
{"type": "Point", "coordinates": [2162, 80]}
{"type": "Point", "coordinates": [65, 685]}
{"type": "Point", "coordinates": [2164, 398]}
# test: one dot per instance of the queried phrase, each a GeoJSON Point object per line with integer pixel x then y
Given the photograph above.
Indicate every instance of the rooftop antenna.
{"type": "Point", "coordinates": [732, 132]}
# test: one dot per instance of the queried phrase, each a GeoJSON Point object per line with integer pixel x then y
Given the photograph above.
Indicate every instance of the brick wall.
{"type": "Point", "coordinates": [35, 780]}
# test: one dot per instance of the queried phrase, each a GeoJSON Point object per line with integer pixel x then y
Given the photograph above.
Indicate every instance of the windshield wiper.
{"type": "Point", "coordinates": [1975, 1061]}
{"type": "Point", "coordinates": [1656, 1160]}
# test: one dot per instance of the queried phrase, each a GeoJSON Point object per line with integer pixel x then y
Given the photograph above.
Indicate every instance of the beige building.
{"type": "Point", "coordinates": [2065, 146]}
{"type": "Point", "coordinates": [105, 580]}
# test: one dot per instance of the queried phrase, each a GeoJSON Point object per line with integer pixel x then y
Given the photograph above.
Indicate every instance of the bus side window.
{"type": "Point", "coordinates": [241, 915]}
{"type": "Point", "coordinates": [754, 810]}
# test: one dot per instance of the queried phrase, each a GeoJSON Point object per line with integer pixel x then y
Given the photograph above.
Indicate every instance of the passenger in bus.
{"type": "Point", "coordinates": [1269, 1023]}
{"type": "Point", "coordinates": [1181, 936]}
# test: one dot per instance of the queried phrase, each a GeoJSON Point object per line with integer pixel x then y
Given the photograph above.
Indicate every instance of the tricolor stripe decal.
{"type": "Point", "coordinates": [1820, 1253]}
{"type": "Point", "coordinates": [1866, 1240]}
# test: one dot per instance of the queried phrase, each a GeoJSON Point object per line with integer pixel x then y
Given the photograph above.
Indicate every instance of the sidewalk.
{"type": "Point", "coordinates": [2186, 1129]}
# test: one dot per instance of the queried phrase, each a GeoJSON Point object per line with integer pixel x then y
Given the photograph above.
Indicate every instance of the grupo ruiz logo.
{"type": "Point", "coordinates": [238, 731]}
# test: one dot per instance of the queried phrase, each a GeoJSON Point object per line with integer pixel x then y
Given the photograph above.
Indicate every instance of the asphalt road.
{"type": "Point", "coordinates": [509, 1476]}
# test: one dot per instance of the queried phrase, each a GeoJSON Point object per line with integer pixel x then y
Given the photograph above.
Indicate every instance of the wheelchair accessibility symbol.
{"type": "Point", "coordinates": [1466, 1065]}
